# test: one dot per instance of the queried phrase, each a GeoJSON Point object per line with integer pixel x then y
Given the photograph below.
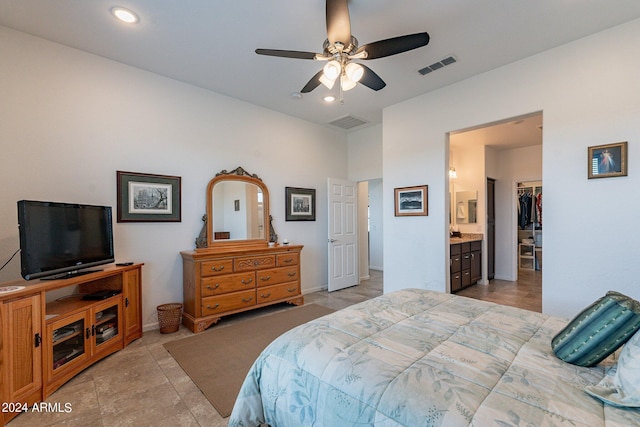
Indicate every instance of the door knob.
{"type": "Point", "coordinates": [333, 240]}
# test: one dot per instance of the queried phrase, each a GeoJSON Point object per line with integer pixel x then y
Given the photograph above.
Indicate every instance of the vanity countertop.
{"type": "Point", "coordinates": [466, 237]}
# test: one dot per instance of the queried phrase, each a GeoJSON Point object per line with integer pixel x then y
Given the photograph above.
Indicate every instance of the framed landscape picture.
{"type": "Point", "coordinates": [411, 201]}
{"type": "Point", "coordinates": [300, 204]}
{"type": "Point", "coordinates": [605, 161]}
{"type": "Point", "coordinates": [148, 198]}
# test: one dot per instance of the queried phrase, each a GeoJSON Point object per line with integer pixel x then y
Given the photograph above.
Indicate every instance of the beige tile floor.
{"type": "Point", "coordinates": [143, 385]}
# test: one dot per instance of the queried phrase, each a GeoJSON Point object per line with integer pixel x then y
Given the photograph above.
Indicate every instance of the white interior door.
{"type": "Point", "coordinates": [343, 234]}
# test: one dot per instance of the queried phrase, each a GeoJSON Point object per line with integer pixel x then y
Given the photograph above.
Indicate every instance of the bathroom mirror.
{"type": "Point", "coordinates": [237, 210]}
{"type": "Point", "coordinates": [466, 207]}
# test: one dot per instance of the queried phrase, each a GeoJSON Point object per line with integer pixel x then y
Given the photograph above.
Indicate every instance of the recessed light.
{"type": "Point", "coordinates": [124, 15]}
{"type": "Point", "coordinates": [329, 98]}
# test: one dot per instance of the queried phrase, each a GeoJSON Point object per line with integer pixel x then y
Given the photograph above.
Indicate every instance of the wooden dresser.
{"type": "Point", "coordinates": [222, 281]}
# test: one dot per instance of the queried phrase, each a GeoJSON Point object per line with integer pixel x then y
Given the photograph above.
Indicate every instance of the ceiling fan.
{"type": "Point", "coordinates": [341, 47]}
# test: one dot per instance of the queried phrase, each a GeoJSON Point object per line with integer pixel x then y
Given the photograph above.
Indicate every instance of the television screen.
{"type": "Point", "coordinates": [59, 239]}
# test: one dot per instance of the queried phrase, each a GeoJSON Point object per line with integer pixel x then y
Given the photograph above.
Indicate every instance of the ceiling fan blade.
{"type": "Point", "coordinates": [395, 45]}
{"type": "Point", "coordinates": [338, 24]}
{"type": "Point", "coordinates": [313, 83]}
{"type": "Point", "coordinates": [371, 80]}
{"type": "Point", "coordinates": [286, 53]}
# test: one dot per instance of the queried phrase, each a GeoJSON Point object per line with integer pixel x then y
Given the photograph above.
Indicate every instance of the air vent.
{"type": "Point", "coordinates": [440, 64]}
{"type": "Point", "coordinates": [348, 122]}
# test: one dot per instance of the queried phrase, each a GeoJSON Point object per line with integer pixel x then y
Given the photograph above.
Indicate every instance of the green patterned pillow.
{"type": "Point", "coordinates": [598, 330]}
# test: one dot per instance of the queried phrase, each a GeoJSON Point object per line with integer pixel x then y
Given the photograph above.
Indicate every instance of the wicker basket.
{"type": "Point", "coordinates": [169, 317]}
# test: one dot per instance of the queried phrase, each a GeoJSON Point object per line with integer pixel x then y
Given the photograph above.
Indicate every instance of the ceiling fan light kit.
{"type": "Point", "coordinates": [332, 70]}
{"type": "Point", "coordinates": [354, 71]}
{"type": "Point", "coordinates": [341, 48]}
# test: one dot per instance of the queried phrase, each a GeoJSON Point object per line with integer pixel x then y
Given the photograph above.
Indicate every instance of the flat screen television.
{"type": "Point", "coordinates": [60, 240]}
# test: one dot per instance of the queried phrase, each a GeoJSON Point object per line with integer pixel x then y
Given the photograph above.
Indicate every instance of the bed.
{"type": "Point", "coordinates": [423, 358]}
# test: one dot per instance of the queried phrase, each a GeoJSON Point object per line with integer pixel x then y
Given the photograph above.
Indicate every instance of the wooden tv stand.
{"type": "Point", "coordinates": [50, 333]}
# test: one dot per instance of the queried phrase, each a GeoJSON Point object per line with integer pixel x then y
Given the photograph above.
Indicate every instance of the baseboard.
{"type": "Point", "coordinates": [151, 327]}
{"type": "Point", "coordinates": [367, 277]}
{"type": "Point", "coordinates": [315, 289]}
{"type": "Point", "coordinates": [372, 267]}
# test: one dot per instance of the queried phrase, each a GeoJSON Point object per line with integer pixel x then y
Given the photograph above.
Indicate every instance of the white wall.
{"type": "Point", "coordinates": [69, 120]}
{"type": "Point", "coordinates": [365, 154]}
{"type": "Point", "coordinates": [468, 159]}
{"type": "Point", "coordinates": [588, 93]}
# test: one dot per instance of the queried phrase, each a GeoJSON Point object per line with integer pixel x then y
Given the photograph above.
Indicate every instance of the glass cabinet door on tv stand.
{"type": "Point", "coordinates": [91, 330]}
{"type": "Point", "coordinates": [66, 347]}
{"type": "Point", "coordinates": [105, 329]}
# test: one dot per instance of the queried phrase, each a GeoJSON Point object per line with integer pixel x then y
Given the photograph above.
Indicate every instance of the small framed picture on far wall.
{"type": "Point", "coordinates": [300, 204]}
{"type": "Point", "coordinates": [412, 201]}
{"type": "Point", "coordinates": [609, 160]}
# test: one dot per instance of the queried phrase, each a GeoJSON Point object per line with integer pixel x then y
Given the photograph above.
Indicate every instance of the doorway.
{"type": "Point", "coordinates": [507, 151]}
{"type": "Point", "coordinates": [370, 228]}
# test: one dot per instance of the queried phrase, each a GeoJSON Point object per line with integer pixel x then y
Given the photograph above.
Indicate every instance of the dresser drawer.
{"type": "Point", "coordinates": [273, 293]}
{"type": "Point", "coordinates": [215, 267]}
{"type": "Point", "coordinates": [227, 302]}
{"type": "Point", "coordinates": [227, 283]}
{"type": "Point", "coordinates": [254, 263]}
{"type": "Point", "coordinates": [273, 276]}
{"type": "Point", "coordinates": [283, 260]}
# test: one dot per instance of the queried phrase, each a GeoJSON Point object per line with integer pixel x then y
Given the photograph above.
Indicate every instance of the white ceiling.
{"type": "Point", "coordinates": [211, 43]}
{"type": "Point", "coordinates": [516, 132]}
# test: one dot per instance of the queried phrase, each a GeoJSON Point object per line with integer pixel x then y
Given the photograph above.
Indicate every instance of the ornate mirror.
{"type": "Point", "coordinates": [237, 211]}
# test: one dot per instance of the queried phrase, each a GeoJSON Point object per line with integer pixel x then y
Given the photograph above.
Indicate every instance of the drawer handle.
{"type": "Point", "coordinates": [214, 307]}
{"type": "Point", "coordinates": [247, 299]}
{"type": "Point", "coordinates": [265, 278]}
{"type": "Point", "coordinates": [265, 296]}
{"type": "Point", "coordinates": [291, 273]}
{"type": "Point", "coordinates": [214, 268]}
{"type": "Point", "coordinates": [292, 289]}
{"type": "Point", "coordinates": [211, 288]}
{"type": "Point", "coordinates": [246, 281]}
{"type": "Point", "coordinates": [288, 260]}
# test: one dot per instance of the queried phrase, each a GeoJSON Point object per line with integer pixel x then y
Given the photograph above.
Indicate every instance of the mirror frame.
{"type": "Point", "coordinates": [238, 174]}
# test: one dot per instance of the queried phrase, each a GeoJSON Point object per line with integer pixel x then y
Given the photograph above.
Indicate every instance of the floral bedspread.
{"type": "Point", "coordinates": [422, 358]}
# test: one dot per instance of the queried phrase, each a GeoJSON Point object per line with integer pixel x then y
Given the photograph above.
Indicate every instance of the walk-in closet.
{"type": "Point", "coordinates": [530, 225]}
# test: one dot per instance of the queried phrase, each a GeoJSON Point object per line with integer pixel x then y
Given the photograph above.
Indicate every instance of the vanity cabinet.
{"type": "Point", "coordinates": [220, 282]}
{"type": "Point", "coordinates": [465, 264]}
